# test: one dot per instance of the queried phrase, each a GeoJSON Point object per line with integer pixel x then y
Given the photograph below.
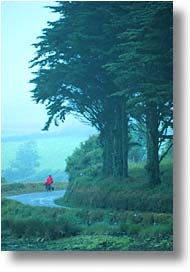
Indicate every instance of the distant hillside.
{"type": "Point", "coordinates": [84, 131]}
{"type": "Point", "coordinates": [52, 148]}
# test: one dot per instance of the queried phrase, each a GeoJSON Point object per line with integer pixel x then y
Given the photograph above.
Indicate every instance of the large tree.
{"type": "Point", "coordinates": [71, 77]}
{"type": "Point", "coordinates": [143, 73]}
{"type": "Point", "coordinates": [109, 62]}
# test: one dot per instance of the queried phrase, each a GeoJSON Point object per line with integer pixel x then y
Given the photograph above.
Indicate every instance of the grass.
{"type": "Point", "coordinates": [39, 228]}
{"type": "Point", "coordinates": [132, 193]}
{"type": "Point", "coordinates": [89, 243]}
{"type": "Point", "coordinates": [147, 225]}
{"type": "Point", "coordinates": [29, 187]}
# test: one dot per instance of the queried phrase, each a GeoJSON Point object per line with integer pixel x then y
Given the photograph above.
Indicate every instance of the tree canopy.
{"type": "Point", "coordinates": [110, 63]}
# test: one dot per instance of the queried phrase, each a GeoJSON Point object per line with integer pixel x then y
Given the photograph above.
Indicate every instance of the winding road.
{"type": "Point", "coordinates": [44, 199]}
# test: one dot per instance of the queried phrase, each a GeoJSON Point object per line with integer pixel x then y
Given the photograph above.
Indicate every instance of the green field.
{"type": "Point", "coordinates": [105, 215]}
{"type": "Point", "coordinates": [38, 228]}
{"type": "Point", "coordinates": [52, 151]}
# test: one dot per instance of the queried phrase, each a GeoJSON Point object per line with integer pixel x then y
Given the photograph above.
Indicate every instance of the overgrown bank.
{"type": "Point", "coordinates": [38, 228]}
{"type": "Point", "coordinates": [27, 187]}
{"type": "Point", "coordinates": [124, 194]}
{"type": "Point", "coordinates": [108, 213]}
{"type": "Point", "coordinates": [88, 188]}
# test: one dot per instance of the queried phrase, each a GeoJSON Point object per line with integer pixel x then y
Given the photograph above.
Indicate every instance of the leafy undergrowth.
{"type": "Point", "coordinates": [88, 187]}
{"type": "Point", "coordinates": [39, 228]}
{"type": "Point", "coordinates": [114, 214]}
{"type": "Point", "coordinates": [133, 193]}
{"type": "Point", "coordinates": [89, 243]}
{"type": "Point", "coordinates": [28, 187]}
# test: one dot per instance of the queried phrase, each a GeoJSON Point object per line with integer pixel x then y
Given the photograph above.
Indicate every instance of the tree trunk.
{"type": "Point", "coordinates": [152, 166]}
{"type": "Point", "coordinates": [117, 147]}
{"type": "Point", "coordinates": [115, 143]}
{"type": "Point", "coordinates": [107, 145]}
{"type": "Point", "coordinates": [120, 140]}
{"type": "Point", "coordinates": [125, 141]}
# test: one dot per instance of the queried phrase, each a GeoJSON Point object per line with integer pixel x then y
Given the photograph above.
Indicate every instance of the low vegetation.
{"type": "Point", "coordinates": [106, 213]}
{"type": "Point", "coordinates": [110, 64]}
{"type": "Point", "coordinates": [88, 188]}
{"type": "Point", "coordinates": [29, 187]}
{"type": "Point", "coordinates": [41, 228]}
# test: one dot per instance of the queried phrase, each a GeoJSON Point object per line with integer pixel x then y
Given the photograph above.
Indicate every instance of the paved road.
{"type": "Point", "coordinates": [45, 199]}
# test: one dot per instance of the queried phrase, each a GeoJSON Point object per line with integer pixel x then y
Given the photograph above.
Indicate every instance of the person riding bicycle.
{"type": "Point", "coordinates": [48, 183]}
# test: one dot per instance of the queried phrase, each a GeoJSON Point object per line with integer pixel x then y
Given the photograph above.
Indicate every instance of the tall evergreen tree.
{"type": "Point", "coordinates": [143, 72]}
{"type": "Point", "coordinates": [71, 77]}
{"type": "Point", "coordinates": [109, 62]}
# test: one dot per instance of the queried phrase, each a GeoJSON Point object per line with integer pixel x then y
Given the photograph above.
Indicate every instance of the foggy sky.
{"type": "Point", "coordinates": [22, 22]}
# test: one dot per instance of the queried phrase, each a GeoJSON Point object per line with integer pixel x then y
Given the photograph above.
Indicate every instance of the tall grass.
{"type": "Point", "coordinates": [107, 229]}
{"type": "Point", "coordinates": [28, 187]}
{"type": "Point", "coordinates": [47, 223]}
{"type": "Point", "coordinates": [132, 193]}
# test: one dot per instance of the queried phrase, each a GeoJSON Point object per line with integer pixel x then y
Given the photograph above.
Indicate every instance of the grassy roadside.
{"type": "Point", "coordinates": [132, 193]}
{"type": "Point", "coordinates": [28, 187]}
{"type": "Point", "coordinates": [88, 227]}
{"type": "Point", "coordinates": [39, 228]}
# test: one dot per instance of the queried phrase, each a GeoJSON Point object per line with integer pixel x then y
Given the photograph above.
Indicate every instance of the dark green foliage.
{"type": "Point", "coordinates": [24, 221]}
{"type": "Point", "coordinates": [108, 230]}
{"type": "Point", "coordinates": [37, 228]}
{"type": "Point", "coordinates": [143, 73]}
{"type": "Point", "coordinates": [135, 194]}
{"type": "Point", "coordinates": [91, 243]}
{"type": "Point", "coordinates": [137, 144]}
{"type": "Point", "coordinates": [156, 230]}
{"type": "Point", "coordinates": [86, 160]}
{"type": "Point", "coordinates": [111, 63]}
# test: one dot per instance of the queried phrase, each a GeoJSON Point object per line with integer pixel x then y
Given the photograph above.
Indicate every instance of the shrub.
{"type": "Point", "coordinates": [68, 224]}
{"type": "Point", "coordinates": [96, 215]}
{"type": "Point", "coordinates": [162, 218]}
{"type": "Point", "coordinates": [156, 231]}
{"type": "Point", "coordinates": [87, 187]}
{"type": "Point", "coordinates": [18, 226]}
{"type": "Point", "coordinates": [130, 228]}
{"type": "Point", "coordinates": [148, 218]}
{"type": "Point", "coordinates": [34, 227]}
{"type": "Point", "coordinates": [26, 221]}
{"type": "Point", "coordinates": [86, 160]}
{"type": "Point", "coordinates": [114, 194]}
{"type": "Point", "coordinates": [137, 218]}
{"type": "Point", "coordinates": [102, 228]}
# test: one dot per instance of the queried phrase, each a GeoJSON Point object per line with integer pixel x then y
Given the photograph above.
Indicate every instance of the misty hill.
{"type": "Point", "coordinates": [80, 131]}
{"type": "Point", "coordinates": [52, 149]}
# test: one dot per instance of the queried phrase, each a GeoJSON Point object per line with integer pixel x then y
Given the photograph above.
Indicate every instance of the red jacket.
{"type": "Point", "coordinates": [49, 180]}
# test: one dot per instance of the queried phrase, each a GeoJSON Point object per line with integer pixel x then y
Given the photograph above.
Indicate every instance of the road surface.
{"type": "Point", "coordinates": [45, 199]}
